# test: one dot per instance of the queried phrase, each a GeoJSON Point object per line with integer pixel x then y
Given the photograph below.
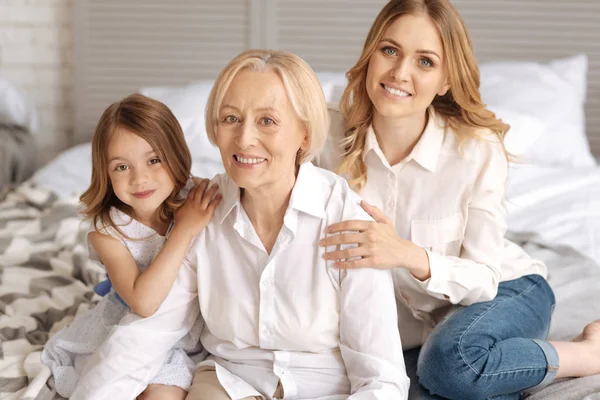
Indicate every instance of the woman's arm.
{"type": "Point", "coordinates": [473, 276]}
{"type": "Point", "coordinates": [369, 339]}
{"type": "Point", "coordinates": [144, 291]}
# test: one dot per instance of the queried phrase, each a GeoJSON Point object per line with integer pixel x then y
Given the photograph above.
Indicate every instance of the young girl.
{"type": "Point", "coordinates": [413, 136]}
{"type": "Point", "coordinates": [141, 165]}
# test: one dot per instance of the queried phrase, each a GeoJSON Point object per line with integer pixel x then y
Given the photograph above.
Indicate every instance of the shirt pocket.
{"type": "Point", "coordinates": [443, 236]}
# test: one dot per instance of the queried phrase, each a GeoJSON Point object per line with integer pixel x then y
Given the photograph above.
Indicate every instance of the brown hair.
{"type": "Point", "coordinates": [301, 84]}
{"type": "Point", "coordinates": [461, 106]}
{"type": "Point", "coordinates": [155, 123]}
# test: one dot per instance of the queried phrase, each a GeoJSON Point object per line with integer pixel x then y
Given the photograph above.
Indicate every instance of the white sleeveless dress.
{"type": "Point", "coordinates": [67, 351]}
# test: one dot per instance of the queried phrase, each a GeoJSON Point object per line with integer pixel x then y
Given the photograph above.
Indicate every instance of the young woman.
{"type": "Point", "coordinates": [414, 139]}
{"type": "Point", "coordinates": [140, 164]}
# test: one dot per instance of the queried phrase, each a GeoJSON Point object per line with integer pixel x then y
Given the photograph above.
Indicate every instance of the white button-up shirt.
{"type": "Point", "coordinates": [288, 316]}
{"type": "Point", "coordinates": [450, 203]}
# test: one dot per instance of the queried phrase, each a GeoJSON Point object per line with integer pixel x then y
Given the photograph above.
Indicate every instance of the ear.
{"type": "Point", "coordinates": [305, 145]}
{"type": "Point", "coordinates": [444, 88]}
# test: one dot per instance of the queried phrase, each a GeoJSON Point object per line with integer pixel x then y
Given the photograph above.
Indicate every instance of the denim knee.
{"type": "Point", "coordinates": [442, 370]}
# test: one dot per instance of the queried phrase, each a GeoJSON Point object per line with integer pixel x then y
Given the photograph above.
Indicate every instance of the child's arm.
{"type": "Point", "coordinates": [144, 292]}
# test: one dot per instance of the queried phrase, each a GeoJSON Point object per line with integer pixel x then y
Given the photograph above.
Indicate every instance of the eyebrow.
{"type": "Point", "coordinates": [420, 51]}
{"type": "Point", "coordinates": [118, 158]}
{"type": "Point", "coordinates": [262, 109]}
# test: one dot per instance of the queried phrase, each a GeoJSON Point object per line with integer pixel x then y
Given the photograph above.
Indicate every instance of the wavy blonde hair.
{"type": "Point", "coordinates": [461, 106]}
{"type": "Point", "coordinates": [155, 123]}
{"type": "Point", "coordinates": [301, 85]}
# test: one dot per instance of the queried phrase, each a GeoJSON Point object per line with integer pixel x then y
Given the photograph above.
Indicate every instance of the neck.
{"type": "Point", "coordinates": [398, 136]}
{"type": "Point", "coordinates": [266, 208]}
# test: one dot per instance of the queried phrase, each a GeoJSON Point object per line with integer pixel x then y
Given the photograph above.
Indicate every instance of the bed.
{"type": "Point", "coordinates": [46, 278]}
{"type": "Point", "coordinates": [553, 192]}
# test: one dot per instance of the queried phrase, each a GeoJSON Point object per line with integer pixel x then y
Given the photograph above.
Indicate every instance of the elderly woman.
{"type": "Point", "coordinates": [280, 320]}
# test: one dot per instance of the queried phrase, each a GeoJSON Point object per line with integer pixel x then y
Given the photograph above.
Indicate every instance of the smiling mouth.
{"type": "Point", "coordinates": [248, 160]}
{"type": "Point", "coordinates": [144, 194]}
{"type": "Point", "coordinates": [395, 92]}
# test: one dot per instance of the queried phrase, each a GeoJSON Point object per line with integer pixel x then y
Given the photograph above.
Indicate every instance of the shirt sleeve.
{"type": "Point", "coordinates": [137, 347]}
{"type": "Point", "coordinates": [369, 338]}
{"type": "Point", "coordinates": [474, 276]}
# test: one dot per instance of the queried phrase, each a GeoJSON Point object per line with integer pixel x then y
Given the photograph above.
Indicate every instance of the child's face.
{"type": "Point", "coordinates": [138, 177]}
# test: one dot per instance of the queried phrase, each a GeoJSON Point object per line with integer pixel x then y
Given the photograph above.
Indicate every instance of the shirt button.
{"type": "Point", "coordinates": [266, 332]}
{"type": "Point", "coordinates": [267, 283]}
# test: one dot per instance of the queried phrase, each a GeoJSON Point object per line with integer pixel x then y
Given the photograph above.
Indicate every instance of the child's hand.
{"type": "Point", "coordinates": [199, 208]}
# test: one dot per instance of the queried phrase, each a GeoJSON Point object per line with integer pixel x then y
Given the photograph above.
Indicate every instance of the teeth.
{"type": "Point", "coordinates": [249, 160]}
{"type": "Point", "coordinates": [395, 92]}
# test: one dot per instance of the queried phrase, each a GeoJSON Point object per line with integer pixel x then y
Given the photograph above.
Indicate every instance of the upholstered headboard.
{"type": "Point", "coordinates": [123, 45]}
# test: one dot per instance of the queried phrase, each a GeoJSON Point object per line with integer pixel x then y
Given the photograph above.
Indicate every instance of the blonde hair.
{"type": "Point", "coordinates": [301, 85]}
{"type": "Point", "coordinates": [461, 106]}
{"type": "Point", "coordinates": [155, 123]}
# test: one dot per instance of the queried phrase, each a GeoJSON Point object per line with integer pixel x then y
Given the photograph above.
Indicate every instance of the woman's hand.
{"type": "Point", "coordinates": [379, 246]}
{"type": "Point", "coordinates": [199, 208]}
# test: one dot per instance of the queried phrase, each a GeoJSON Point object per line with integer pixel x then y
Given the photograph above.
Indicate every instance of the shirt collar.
{"type": "Point", "coordinates": [427, 150]}
{"type": "Point", "coordinates": [306, 194]}
{"type": "Point", "coordinates": [304, 197]}
{"type": "Point", "coordinates": [231, 199]}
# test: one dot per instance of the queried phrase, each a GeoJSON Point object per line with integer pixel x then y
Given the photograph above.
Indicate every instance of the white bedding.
{"type": "Point", "coordinates": [560, 205]}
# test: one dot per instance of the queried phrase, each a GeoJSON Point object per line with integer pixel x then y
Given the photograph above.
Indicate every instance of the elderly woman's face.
{"type": "Point", "coordinates": [258, 131]}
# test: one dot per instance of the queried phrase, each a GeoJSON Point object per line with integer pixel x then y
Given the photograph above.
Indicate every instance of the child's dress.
{"type": "Point", "coordinates": [67, 352]}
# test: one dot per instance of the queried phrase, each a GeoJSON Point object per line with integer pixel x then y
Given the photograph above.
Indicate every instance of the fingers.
{"type": "Point", "coordinates": [197, 180]}
{"type": "Point", "coordinates": [360, 263]}
{"type": "Point", "coordinates": [214, 204]}
{"type": "Point", "coordinates": [198, 190]}
{"type": "Point", "coordinates": [353, 225]}
{"type": "Point", "coordinates": [345, 238]}
{"type": "Point", "coordinates": [360, 251]}
{"type": "Point", "coordinates": [375, 213]}
{"type": "Point", "coordinates": [209, 196]}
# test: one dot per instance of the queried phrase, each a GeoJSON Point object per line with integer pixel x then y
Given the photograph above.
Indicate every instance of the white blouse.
{"type": "Point", "coordinates": [450, 203]}
{"type": "Point", "coordinates": [288, 317]}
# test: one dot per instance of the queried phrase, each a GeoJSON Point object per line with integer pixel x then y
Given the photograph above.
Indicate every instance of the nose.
{"type": "Point", "coordinates": [401, 70]}
{"type": "Point", "coordinates": [246, 135]}
{"type": "Point", "coordinates": [139, 176]}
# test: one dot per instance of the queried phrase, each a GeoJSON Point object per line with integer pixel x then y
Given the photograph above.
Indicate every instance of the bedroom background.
{"type": "Point", "coordinates": [63, 61]}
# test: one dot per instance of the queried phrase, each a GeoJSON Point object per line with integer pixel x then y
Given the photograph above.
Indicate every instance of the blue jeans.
{"type": "Point", "coordinates": [492, 350]}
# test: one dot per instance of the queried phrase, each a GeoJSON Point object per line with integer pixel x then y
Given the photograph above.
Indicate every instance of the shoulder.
{"type": "Point", "coordinates": [340, 201]}
{"type": "Point", "coordinates": [332, 154]}
{"type": "Point", "coordinates": [481, 148]}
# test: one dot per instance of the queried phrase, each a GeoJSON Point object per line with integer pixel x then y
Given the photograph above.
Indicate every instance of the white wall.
{"type": "Point", "coordinates": [36, 54]}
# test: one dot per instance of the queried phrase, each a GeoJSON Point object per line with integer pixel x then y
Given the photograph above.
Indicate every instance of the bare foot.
{"type": "Point", "coordinates": [591, 337]}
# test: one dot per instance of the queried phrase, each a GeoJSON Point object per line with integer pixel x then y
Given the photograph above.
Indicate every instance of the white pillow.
{"type": "Point", "coordinates": [188, 104]}
{"type": "Point", "coordinates": [16, 108]}
{"type": "Point", "coordinates": [524, 130]}
{"type": "Point", "coordinates": [552, 94]}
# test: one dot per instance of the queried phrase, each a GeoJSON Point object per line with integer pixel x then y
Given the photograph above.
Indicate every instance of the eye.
{"type": "Point", "coordinates": [266, 121]}
{"type": "Point", "coordinates": [121, 168]}
{"type": "Point", "coordinates": [426, 62]}
{"type": "Point", "coordinates": [390, 51]}
{"type": "Point", "coordinates": [154, 161]}
{"type": "Point", "coordinates": [231, 119]}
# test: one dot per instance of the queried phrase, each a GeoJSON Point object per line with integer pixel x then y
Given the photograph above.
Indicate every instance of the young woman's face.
{"type": "Point", "coordinates": [407, 69]}
{"type": "Point", "coordinates": [138, 176]}
{"type": "Point", "coordinates": [258, 131]}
